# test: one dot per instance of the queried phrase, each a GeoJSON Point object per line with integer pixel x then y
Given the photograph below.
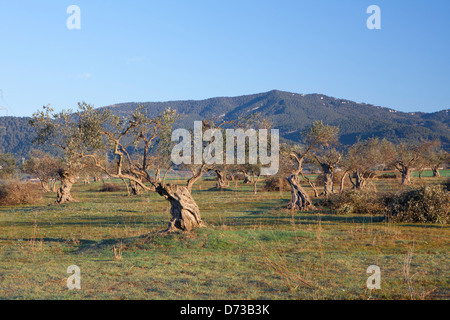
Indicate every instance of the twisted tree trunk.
{"type": "Point", "coordinates": [420, 173]}
{"type": "Point", "coordinates": [360, 180]}
{"type": "Point", "coordinates": [183, 208]}
{"type": "Point", "coordinates": [328, 187]}
{"type": "Point", "coordinates": [247, 178]}
{"type": "Point", "coordinates": [405, 171]}
{"type": "Point", "coordinates": [158, 175]}
{"type": "Point", "coordinates": [135, 188]}
{"type": "Point", "coordinates": [255, 182]}
{"type": "Point", "coordinates": [300, 199]}
{"type": "Point", "coordinates": [222, 181]}
{"type": "Point", "coordinates": [341, 189]}
{"type": "Point", "coordinates": [436, 172]}
{"type": "Point", "coordinates": [406, 176]}
{"type": "Point", "coordinates": [67, 180]}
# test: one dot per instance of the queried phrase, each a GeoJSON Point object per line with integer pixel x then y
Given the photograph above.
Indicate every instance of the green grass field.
{"type": "Point", "coordinates": [252, 248]}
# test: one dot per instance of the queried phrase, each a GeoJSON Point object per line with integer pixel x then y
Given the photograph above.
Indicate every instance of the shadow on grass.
{"type": "Point", "coordinates": [83, 245]}
{"type": "Point", "coordinates": [91, 246]}
{"type": "Point", "coordinates": [424, 225]}
{"type": "Point", "coordinates": [93, 221]}
{"type": "Point", "coordinates": [214, 189]}
{"type": "Point", "coordinates": [143, 239]}
{"type": "Point", "coordinates": [82, 242]}
{"type": "Point", "coordinates": [311, 219]}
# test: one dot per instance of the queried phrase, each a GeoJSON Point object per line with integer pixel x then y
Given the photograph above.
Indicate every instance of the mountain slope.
{"type": "Point", "coordinates": [290, 112]}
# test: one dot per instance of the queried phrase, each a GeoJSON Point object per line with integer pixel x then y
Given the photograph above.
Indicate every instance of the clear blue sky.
{"type": "Point", "coordinates": [175, 50]}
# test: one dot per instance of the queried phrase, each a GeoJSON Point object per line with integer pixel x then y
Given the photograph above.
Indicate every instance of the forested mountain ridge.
{"type": "Point", "coordinates": [16, 137]}
{"type": "Point", "coordinates": [290, 112]}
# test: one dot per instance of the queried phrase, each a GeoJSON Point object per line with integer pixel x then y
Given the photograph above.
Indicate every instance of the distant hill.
{"type": "Point", "coordinates": [16, 137]}
{"type": "Point", "coordinates": [290, 112]}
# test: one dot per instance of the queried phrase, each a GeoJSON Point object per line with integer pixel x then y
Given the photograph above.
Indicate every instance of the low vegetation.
{"type": "Point", "coordinates": [430, 203]}
{"type": "Point", "coordinates": [111, 187]}
{"type": "Point", "coordinates": [140, 226]}
{"type": "Point", "coordinates": [255, 250]}
{"type": "Point", "coordinates": [357, 202]}
{"type": "Point", "coordinates": [14, 193]}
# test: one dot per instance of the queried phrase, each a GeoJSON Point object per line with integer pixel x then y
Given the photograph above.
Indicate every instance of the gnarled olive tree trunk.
{"type": "Point", "coordinates": [158, 175]}
{"type": "Point", "coordinates": [183, 208]}
{"type": "Point", "coordinates": [406, 176]}
{"type": "Point", "coordinates": [342, 183]}
{"type": "Point", "coordinates": [300, 199]}
{"type": "Point", "coordinates": [255, 181]}
{"type": "Point", "coordinates": [328, 187]}
{"type": "Point", "coordinates": [222, 181]}
{"type": "Point", "coordinates": [67, 180]}
{"type": "Point", "coordinates": [405, 170]}
{"type": "Point", "coordinates": [247, 178]}
{"type": "Point", "coordinates": [135, 189]}
{"type": "Point", "coordinates": [360, 180]}
{"type": "Point", "coordinates": [436, 172]}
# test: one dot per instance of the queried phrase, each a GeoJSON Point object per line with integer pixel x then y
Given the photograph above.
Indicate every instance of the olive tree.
{"type": "Point", "coordinates": [434, 157]}
{"type": "Point", "coordinates": [322, 141]}
{"type": "Point", "coordinates": [364, 159]}
{"type": "Point", "coordinates": [112, 133]}
{"type": "Point", "coordinates": [62, 130]}
{"type": "Point", "coordinates": [44, 167]}
{"type": "Point", "coordinates": [315, 138]}
{"type": "Point", "coordinates": [406, 157]}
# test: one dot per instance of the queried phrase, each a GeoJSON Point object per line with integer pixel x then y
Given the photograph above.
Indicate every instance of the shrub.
{"type": "Point", "coordinates": [110, 187]}
{"type": "Point", "coordinates": [357, 202]}
{"type": "Point", "coordinates": [18, 193]}
{"type": "Point", "coordinates": [430, 203]}
{"type": "Point", "coordinates": [274, 183]}
{"type": "Point", "coordinates": [446, 185]}
{"type": "Point", "coordinates": [387, 175]}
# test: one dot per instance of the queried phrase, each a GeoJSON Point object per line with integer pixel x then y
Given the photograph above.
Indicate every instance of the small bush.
{"type": "Point", "coordinates": [387, 175]}
{"type": "Point", "coordinates": [110, 187]}
{"type": "Point", "coordinates": [274, 184]}
{"type": "Point", "coordinates": [239, 176]}
{"type": "Point", "coordinates": [357, 202]}
{"type": "Point", "coordinates": [18, 193]}
{"type": "Point", "coordinates": [446, 185]}
{"type": "Point", "coordinates": [430, 203]}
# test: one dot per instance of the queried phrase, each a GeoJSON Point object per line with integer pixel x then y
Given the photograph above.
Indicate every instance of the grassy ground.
{"type": "Point", "coordinates": [253, 248]}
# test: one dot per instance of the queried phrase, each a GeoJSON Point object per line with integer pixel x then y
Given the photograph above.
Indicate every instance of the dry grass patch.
{"type": "Point", "coordinates": [13, 193]}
